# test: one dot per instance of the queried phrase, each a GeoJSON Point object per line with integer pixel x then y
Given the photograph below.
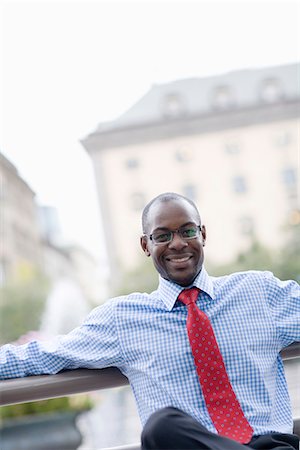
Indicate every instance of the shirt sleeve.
{"type": "Point", "coordinates": [93, 345]}
{"type": "Point", "coordinates": [284, 303]}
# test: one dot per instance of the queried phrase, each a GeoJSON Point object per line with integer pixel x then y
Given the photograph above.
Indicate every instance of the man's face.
{"type": "Point", "coordinates": [179, 260]}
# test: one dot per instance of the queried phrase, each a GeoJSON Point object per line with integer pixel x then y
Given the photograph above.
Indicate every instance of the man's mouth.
{"type": "Point", "coordinates": [178, 260]}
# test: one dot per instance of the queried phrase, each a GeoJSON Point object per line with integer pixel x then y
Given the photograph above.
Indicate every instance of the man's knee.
{"type": "Point", "coordinates": [159, 426]}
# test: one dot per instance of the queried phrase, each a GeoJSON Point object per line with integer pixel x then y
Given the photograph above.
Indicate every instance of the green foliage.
{"type": "Point", "coordinates": [289, 257]}
{"type": "Point", "coordinates": [143, 279]}
{"type": "Point", "coordinates": [22, 304]}
{"type": "Point", "coordinates": [21, 307]}
{"type": "Point", "coordinates": [62, 404]}
{"type": "Point", "coordinates": [257, 257]}
{"type": "Point", "coordinates": [285, 263]}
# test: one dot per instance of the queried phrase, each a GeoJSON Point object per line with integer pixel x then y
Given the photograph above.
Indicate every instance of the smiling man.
{"type": "Point", "coordinates": [174, 238]}
{"type": "Point", "coordinates": [201, 353]}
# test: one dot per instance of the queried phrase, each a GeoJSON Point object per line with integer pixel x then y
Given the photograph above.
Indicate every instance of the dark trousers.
{"type": "Point", "coordinates": [170, 429]}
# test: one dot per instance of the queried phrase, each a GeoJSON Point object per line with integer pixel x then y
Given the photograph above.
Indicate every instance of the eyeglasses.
{"type": "Point", "coordinates": [186, 233]}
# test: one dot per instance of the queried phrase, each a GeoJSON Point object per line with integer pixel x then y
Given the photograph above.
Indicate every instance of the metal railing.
{"type": "Point", "coordinates": [35, 388]}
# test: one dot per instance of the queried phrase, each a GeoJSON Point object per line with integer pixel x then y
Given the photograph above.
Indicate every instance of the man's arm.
{"type": "Point", "coordinates": [92, 345]}
{"type": "Point", "coordinates": [284, 303]}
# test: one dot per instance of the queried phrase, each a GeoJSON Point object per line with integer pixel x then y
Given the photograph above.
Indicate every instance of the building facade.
{"type": "Point", "coordinates": [20, 246]}
{"type": "Point", "coordinates": [228, 142]}
{"type": "Point", "coordinates": [31, 240]}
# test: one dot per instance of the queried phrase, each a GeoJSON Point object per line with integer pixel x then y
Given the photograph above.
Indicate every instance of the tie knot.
{"type": "Point", "coordinates": [188, 296]}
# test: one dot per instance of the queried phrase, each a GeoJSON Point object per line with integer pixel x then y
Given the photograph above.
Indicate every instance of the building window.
{"type": "Point", "coordinates": [222, 98]}
{"type": "Point", "coordinates": [289, 178]}
{"type": "Point", "coordinates": [173, 105]}
{"type": "Point", "coordinates": [183, 154]}
{"type": "Point", "coordinates": [3, 271]}
{"type": "Point", "coordinates": [294, 217]}
{"type": "Point", "coordinates": [283, 139]}
{"type": "Point", "coordinates": [189, 191]}
{"type": "Point", "coordinates": [271, 90]}
{"type": "Point", "coordinates": [132, 163]}
{"type": "Point", "coordinates": [232, 148]}
{"type": "Point", "coordinates": [239, 184]}
{"type": "Point", "coordinates": [246, 226]}
{"type": "Point", "coordinates": [137, 201]}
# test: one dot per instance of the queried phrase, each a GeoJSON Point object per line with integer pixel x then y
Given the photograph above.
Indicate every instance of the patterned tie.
{"type": "Point", "coordinates": [221, 402]}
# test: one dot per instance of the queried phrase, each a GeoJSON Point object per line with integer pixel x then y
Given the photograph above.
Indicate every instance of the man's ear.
{"type": "Point", "coordinates": [203, 234]}
{"type": "Point", "coordinates": [144, 245]}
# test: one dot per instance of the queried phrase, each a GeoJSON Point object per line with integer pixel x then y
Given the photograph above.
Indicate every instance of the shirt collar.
{"type": "Point", "coordinates": [168, 290]}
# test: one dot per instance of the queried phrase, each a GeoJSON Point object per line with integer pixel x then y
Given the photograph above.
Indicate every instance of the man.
{"type": "Point", "coordinates": [201, 353]}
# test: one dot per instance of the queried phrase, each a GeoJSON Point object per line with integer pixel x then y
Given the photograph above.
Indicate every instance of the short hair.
{"type": "Point", "coordinates": [165, 197]}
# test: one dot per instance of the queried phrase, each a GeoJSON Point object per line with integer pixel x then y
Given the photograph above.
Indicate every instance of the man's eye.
{"type": "Point", "coordinates": [189, 232]}
{"type": "Point", "coordinates": [161, 237]}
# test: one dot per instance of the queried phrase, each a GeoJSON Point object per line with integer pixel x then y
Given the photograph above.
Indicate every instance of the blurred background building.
{"type": "Point", "coordinates": [228, 142]}
{"type": "Point", "coordinates": [20, 234]}
{"type": "Point", "coordinates": [31, 240]}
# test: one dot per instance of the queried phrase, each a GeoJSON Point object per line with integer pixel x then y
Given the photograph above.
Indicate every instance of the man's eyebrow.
{"type": "Point", "coordinates": [188, 223]}
{"type": "Point", "coordinates": [168, 229]}
{"type": "Point", "coordinates": [161, 229]}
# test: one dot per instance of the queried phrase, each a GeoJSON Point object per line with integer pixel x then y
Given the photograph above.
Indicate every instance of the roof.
{"type": "Point", "coordinates": [196, 96]}
{"type": "Point", "coordinates": [13, 171]}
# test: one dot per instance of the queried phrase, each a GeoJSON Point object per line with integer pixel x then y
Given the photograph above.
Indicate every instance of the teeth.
{"type": "Point", "coordinates": [180, 259]}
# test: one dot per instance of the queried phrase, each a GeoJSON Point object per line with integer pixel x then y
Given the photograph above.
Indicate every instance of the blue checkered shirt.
{"type": "Point", "coordinates": [254, 316]}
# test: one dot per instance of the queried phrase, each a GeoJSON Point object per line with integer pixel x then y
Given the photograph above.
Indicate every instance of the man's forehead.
{"type": "Point", "coordinates": [167, 210]}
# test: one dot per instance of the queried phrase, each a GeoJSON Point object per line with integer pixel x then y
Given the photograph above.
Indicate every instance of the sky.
{"type": "Point", "coordinates": [69, 65]}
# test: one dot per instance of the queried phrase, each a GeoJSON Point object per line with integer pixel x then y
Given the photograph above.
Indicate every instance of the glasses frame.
{"type": "Point", "coordinates": [178, 231]}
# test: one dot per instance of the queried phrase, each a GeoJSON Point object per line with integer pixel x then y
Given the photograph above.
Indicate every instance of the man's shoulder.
{"type": "Point", "coordinates": [120, 305]}
{"type": "Point", "coordinates": [248, 282]}
{"type": "Point", "coordinates": [131, 299]}
{"type": "Point", "coordinates": [244, 273]}
{"type": "Point", "coordinates": [242, 276]}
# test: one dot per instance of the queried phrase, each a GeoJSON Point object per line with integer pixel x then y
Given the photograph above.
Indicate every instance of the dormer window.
{"type": "Point", "coordinates": [271, 90]}
{"type": "Point", "coordinates": [222, 98]}
{"type": "Point", "coordinates": [173, 105]}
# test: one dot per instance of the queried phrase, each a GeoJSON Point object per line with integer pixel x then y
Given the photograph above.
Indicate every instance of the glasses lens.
{"type": "Point", "coordinates": [190, 232]}
{"type": "Point", "coordinates": [162, 238]}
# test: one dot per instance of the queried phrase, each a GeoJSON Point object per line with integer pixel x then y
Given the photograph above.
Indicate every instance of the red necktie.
{"type": "Point", "coordinates": [221, 402]}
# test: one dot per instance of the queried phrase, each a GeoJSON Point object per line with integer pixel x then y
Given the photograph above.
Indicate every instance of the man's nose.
{"type": "Point", "coordinates": [177, 242]}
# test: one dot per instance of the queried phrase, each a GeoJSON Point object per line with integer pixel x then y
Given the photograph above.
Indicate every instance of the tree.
{"type": "Point", "coordinates": [142, 279]}
{"type": "Point", "coordinates": [258, 257]}
{"type": "Point", "coordinates": [284, 263]}
{"type": "Point", "coordinates": [22, 304]}
{"type": "Point", "coordinates": [289, 257]}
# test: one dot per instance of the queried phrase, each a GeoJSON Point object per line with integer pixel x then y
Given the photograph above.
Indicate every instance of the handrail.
{"type": "Point", "coordinates": [33, 388]}
{"type": "Point", "coordinates": [291, 352]}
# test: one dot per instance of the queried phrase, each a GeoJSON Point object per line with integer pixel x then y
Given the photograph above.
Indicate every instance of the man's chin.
{"type": "Point", "coordinates": [184, 279]}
